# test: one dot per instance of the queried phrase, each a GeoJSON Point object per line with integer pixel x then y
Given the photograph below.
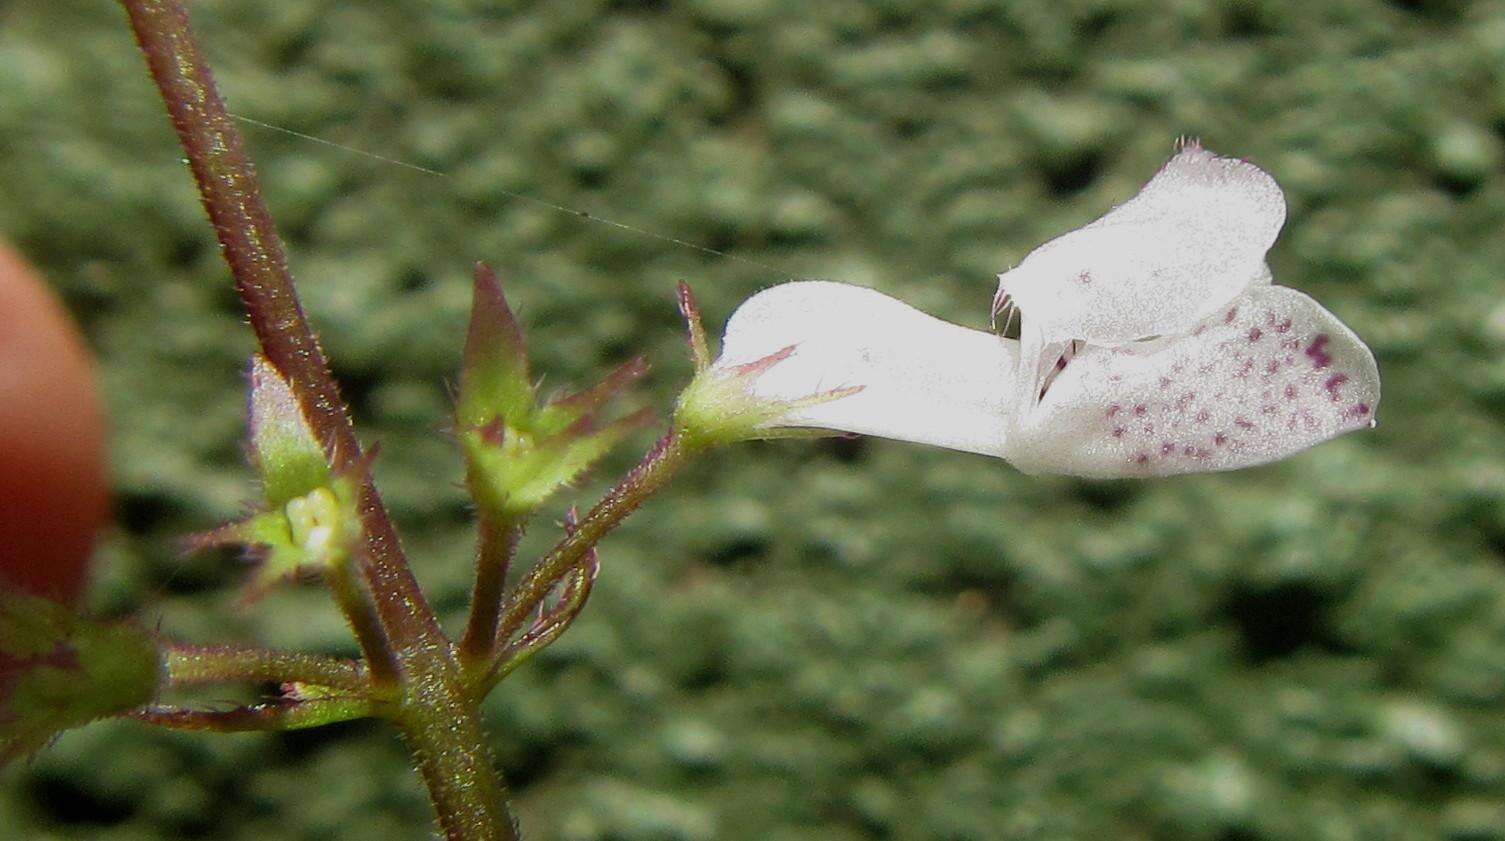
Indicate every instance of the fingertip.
{"type": "Point", "coordinates": [53, 488]}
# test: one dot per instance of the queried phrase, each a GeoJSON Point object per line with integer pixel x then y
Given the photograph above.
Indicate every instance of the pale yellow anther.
{"type": "Point", "coordinates": [314, 522]}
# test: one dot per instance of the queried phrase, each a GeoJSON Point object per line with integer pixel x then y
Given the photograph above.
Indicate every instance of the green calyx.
{"type": "Point", "coordinates": [513, 471]}
{"type": "Point", "coordinates": [308, 535]}
{"type": "Point", "coordinates": [719, 406]}
{"type": "Point", "coordinates": [519, 452]}
{"type": "Point", "coordinates": [311, 522]}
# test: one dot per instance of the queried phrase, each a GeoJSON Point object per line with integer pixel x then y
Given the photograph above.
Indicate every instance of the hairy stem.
{"type": "Point", "coordinates": [195, 664]}
{"type": "Point", "coordinates": [247, 235]}
{"type": "Point", "coordinates": [363, 622]}
{"type": "Point", "coordinates": [652, 473]}
{"type": "Point", "coordinates": [441, 718]}
{"type": "Point", "coordinates": [496, 544]}
{"type": "Point", "coordinates": [249, 241]}
{"type": "Point", "coordinates": [446, 739]}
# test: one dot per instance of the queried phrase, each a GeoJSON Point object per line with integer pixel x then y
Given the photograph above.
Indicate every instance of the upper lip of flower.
{"type": "Point", "coordinates": [1151, 342]}
{"type": "Point", "coordinates": [1187, 244]}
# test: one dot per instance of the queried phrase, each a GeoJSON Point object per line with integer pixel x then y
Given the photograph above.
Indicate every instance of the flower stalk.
{"type": "Point", "coordinates": [188, 665]}
{"type": "Point", "coordinates": [495, 546]}
{"type": "Point", "coordinates": [657, 467]}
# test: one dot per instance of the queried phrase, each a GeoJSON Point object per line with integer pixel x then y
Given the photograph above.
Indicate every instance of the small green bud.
{"type": "Point", "coordinates": [287, 453]}
{"type": "Point", "coordinates": [512, 471]}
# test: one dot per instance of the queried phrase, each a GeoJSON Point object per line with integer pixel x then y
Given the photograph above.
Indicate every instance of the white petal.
{"type": "Point", "coordinates": [924, 380]}
{"type": "Point", "coordinates": [1189, 242]}
{"type": "Point", "coordinates": [1271, 375]}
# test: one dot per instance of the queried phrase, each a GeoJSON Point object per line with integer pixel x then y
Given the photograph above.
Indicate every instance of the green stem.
{"type": "Point", "coordinates": [652, 473]}
{"type": "Point", "coordinates": [496, 544]}
{"type": "Point", "coordinates": [194, 664]}
{"type": "Point", "coordinates": [444, 734]}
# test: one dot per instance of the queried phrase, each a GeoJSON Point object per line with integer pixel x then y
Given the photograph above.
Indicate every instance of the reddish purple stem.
{"type": "Point", "coordinates": [249, 241]}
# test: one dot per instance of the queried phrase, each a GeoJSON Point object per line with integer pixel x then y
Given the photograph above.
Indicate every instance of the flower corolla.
{"type": "Point", "coordinates": [1151, 342]}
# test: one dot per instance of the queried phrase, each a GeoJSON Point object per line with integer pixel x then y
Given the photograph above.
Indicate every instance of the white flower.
{"type": "Point", "coordinates": [1152, 343]}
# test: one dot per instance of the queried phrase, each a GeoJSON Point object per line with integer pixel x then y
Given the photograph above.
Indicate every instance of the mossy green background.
{"type": "Point", "coordinates": [834, 640]}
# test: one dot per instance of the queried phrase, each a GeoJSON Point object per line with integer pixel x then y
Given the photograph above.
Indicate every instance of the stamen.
{"type": "Point", "coordinates": [1067, 354]}
{"type": "Point", "coordinates": [1001, 301]}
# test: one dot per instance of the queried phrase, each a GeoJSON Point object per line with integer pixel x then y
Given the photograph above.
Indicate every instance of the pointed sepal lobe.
{"type": "Point", "coordinates": [494, 379]}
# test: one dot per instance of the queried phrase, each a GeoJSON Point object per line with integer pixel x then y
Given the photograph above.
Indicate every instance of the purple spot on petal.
{"type": "Point", "coordinates": [1255, 333]}
{"type": "Point", "coordinates": [1273, 367]}
{"type": "Point", "coordinates": [1139, 410]}
{"type": "Point", "coordinates": [1333, 384]}
{"type": "Point", "coordinates": [1167, 448]}
{"type": "Point", "coordinates": [1242, 423]}
{"type": "Point", "coordinates": [1202, 416]}
{"type": "Point", "coordinates": [1317, 352]}
{"type": "Point", "coordinates": [1084, 277]}
{"type": "Point", "coordinates": [1142, 458]}
{"type": "Point", "coordinates": [1290, 392]}
{"type": "Point", "coordinates": [1220, 439]}
{"type": "Point", "coordinates": [1359, 410]}
{"type": "Point", "coordinates": [1114, 409]}
{"type": "Point", "coordinates": [1230, 315]}
{"type": "Point", "coordinates": [1283, 326]}
{"type": "Point", "coordinates": [1118, 432]}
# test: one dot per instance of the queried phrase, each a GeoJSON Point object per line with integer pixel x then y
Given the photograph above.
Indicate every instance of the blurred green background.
{"type": "Point", "coordinates": [835, 640]}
